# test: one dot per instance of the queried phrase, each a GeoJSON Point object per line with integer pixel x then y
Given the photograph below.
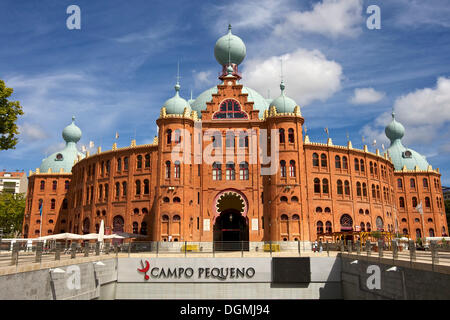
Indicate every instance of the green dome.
{"type": "Point", "coordinates": [229, 48]}
{"type": "Point", "coordinates": [259, 102]}
{"type": "Point", "coordinates": [65, 158]}
{"type": "Point", "coordinates": [71, 133]}
{"type": "Point", "coordinates": [400, 155]}
{"type": "Point", "coordinates": [283, 104]}
{"type": "Point", "coordinates": [394, 130]}
{"type": "Point", "coordinates": [176, 104]}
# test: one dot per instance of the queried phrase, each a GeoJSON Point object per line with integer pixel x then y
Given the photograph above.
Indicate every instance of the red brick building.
{"type": "Point", "coordinates": [202, 179]}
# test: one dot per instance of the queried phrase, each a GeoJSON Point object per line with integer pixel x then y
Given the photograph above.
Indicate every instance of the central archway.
{"type": "Point", "coordinates": [230, 221]}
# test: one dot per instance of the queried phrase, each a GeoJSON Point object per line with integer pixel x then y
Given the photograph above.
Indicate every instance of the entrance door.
{"type": "Point", "coordinates": [231, 231]}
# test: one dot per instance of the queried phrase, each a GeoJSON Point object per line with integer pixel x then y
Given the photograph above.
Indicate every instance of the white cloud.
{"type": "Point", "coordinates": [366, 96]}
{"type": "Point", "coordinates": [415, 13]}
{"type": "Point", "coordinates": [202, 78]}
{"type": "Point", "coordinates": [330, 18]}
{"type": "Point", "coordinates": [425, 114]}
{"type": "Point", "coordinates": [31, 132]}
{"type": "Point", "coordinates": [308, 75]}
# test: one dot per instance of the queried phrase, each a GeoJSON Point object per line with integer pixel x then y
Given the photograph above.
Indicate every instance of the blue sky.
{"type": "Point", "coordinates": [116, 72]}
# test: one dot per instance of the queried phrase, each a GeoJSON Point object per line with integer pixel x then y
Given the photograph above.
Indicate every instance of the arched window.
{"type": "Point", "coordinates": [117, 189]}
{"type": "Point", "coordinates": [124, 188]}
{"type": "Point", "coordinates": [295, 217]}
{"type": "Point", "coordinates": [283, 199]}
{"type": "Point", "coordinates": [418, 233]}
{"type": "Point", "coordinates": [119, 164]}
{"type": "Point", "coordinates": [414, 202]}
{"type": "Point", "coordinates": [66, 185]}
{"type": "Point", "coordinates": [323, 160]}
{"type": "Point", "coordinates": [378, 192]}
{"type": "Point", "coordinates": [344, 163]}
{"type": "Point", "coordinates": [125, 163]}
{"type": "Point", "coordinates": [363, 226]}
{"type": "Point", "coordinates": [291, 138]}
{"type": "Point", "coordinates": [325, 185]}
{"type": "Point", "coordinates": [358, 189]}
{"type": "Point", "coordinates": [294, 199]}
{"type": "Point", "coordinates": [167, 169]}
{"type": "Point", "coordinates": [367, 211]}
{"type": "Point", "coordinates": [347, 187]}
{"type": "Point", "coordinates": [356, 164]}
{"type": "Point", "coordinates": [176, 168]}
{"type": "Point", "coordinates": [283, 168]}
{"type": "Point", "coordinates": [339, 187]}
{"type": "Point", "coordinates": [430, 220]}
{"type": "Point", "coordinates": [431, 232]}
{"type": "Point", "coordinates": [106, 191]}
{"type": "Point", "coordinates": [147, 160]}
{"type": "Point", "coordinates": [139, 162]}
{"type": "Point", "coordinates": [138, 187]}
{"type": "Point", "coordinates": [42, 185]}
{"type": "Point", "coordinates": [319, 227]}
{"type": "Point", "coordinates": [135, 227]}
{"type": "Point", "coordinates": [217, 171]}
{"type": "Point", "coordinates": [230, 171]}
{"type": "Point", "coordinates": [177, 136]}
{"type": "Point", "coordinates": [361, 211]}
{"type": "Point", "coordinates": [315, 157]}
{"type": "Point", "coordinates": [281, 133]}
{"type": "Point", "coordinates": [108, 166]}
{"type": "Point", "coordinates": [379, 223]}
{"type": "Point", "coordinates": [371, 167]}
{"type": "Point", "coordinates": [86, 226]}
{"type": "Point", "coordinates": [166, 199]}
{"type": "Point", "coordinates": [401, 202]}
{"type": "Point", "coordinates": [100, 192]}
{"type": "Point", "coordinates": [375, 169]}
{"type": "Point", "coordinates": [319, 210]}
{"type": "Point", "coordinates": [427, 202]}
{"type": "Point", "coordinates": [52, 204]}
{"type": "Point", "coordinates": [362, 165]}
{"type": "Point", "coordinates": [369, 228]}
{"type": "Point", "coordinates": [327, 210]}
{"type": "Point", "coordinates": [243, 170]}
{"type": "Point", "coordinates": [176, 200]}
{"type": "Point", "coordinates": [292, 168]}
{"type": "Point", "coordinates": [374, 193]}
{"type": "Point", "coordinates": [54, 185]}
{"type": "Point", "coordinates": [337, 162]}
{"type": "Point", "coordinates": [176, 218]}
{"type": "Point", "coordinates": [316, 185]}
{"type": "Point", "coordinates": [412, 183]}
{"type": "Point", "coordinates": [118, 224]}
{"type": "Point", "coordinates": [136, 211]}
{"type": "Point", "coordinates": [399, 184]}
{"type": "Point", "coordinates": [328, 227]}
{"type": "Point", "coordinates": [146, 187]}
{"type": "Point", "coordinates": [346, 222]}
{"type": "Point", "coordinates": [144, 211]}
{"type": "Point", "coordinates": [65, 204]}
{"type": "Point", "coordinates": [364, 189]}
{"type": "Point", "coordinates": [144, 228]}
{"type": "Point", "coordinates": [425, 183]}
{"type": "Point", "coordinates": [169, 136]}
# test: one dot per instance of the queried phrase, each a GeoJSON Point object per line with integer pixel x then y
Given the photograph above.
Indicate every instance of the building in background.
{"type": "Point", "coordinates": [13, 182]}
{"type": "Point", "coordinates": [317, 188]}
{"type": "Point", "coordinates": [446, 192]}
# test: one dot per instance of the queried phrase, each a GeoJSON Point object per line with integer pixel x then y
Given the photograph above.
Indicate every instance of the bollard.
{"type": "Point", "coordinates": [394, 250]}
{"type": "Point", "coordinates": [97, 248]}
{"type": "Point", "coordinates": [412, 250]}
{"type": "Point", "coordinates": [368, 247]}
{"type": "Point", "coordinates": [380, 248]}
{"type": "Point", "coordinates": [73, 250]}
{"type": "Point", "coordinates": [58, 251]}
{"type": "Point", "coordinates": [434, 253]}
{"type": "Point", "coordinates": [358, 247]}
{"type": "Point", "coordinates": [15, 254]}
{"type": "Point", "coordinates": [39, 248]}
{"type": "Point", "coordinates": [298, 245]}
{"type": "Point", "coordinates": [328, 248]}
{"type": "Point", "coordinates": [86, 249]}
{"type": "Point", "coordinates": [349, 246]}
{"type": "Point", "coordinates": [342, 245]}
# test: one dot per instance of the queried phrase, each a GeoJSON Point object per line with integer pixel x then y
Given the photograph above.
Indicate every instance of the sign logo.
{"type": "Point", "coordinates": [145, 269]}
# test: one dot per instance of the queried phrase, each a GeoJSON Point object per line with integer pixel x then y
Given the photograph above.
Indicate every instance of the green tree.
{"type": "Point", "coordinates": [12, 209]}
{"type": "Point", "coordinates": [9, 112]}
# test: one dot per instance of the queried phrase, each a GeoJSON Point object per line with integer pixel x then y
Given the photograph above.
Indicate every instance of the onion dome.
{"type": "Point", "coordinates": [400, 155]}
{"type": "Point", "coordinates": [229, 49]}
{"type": "Point", "coordinates": [65, 158]}
{"type": "Point", "coordinates": [176, 104]}
{"type": "Point", "coordinates": [283, 103]}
